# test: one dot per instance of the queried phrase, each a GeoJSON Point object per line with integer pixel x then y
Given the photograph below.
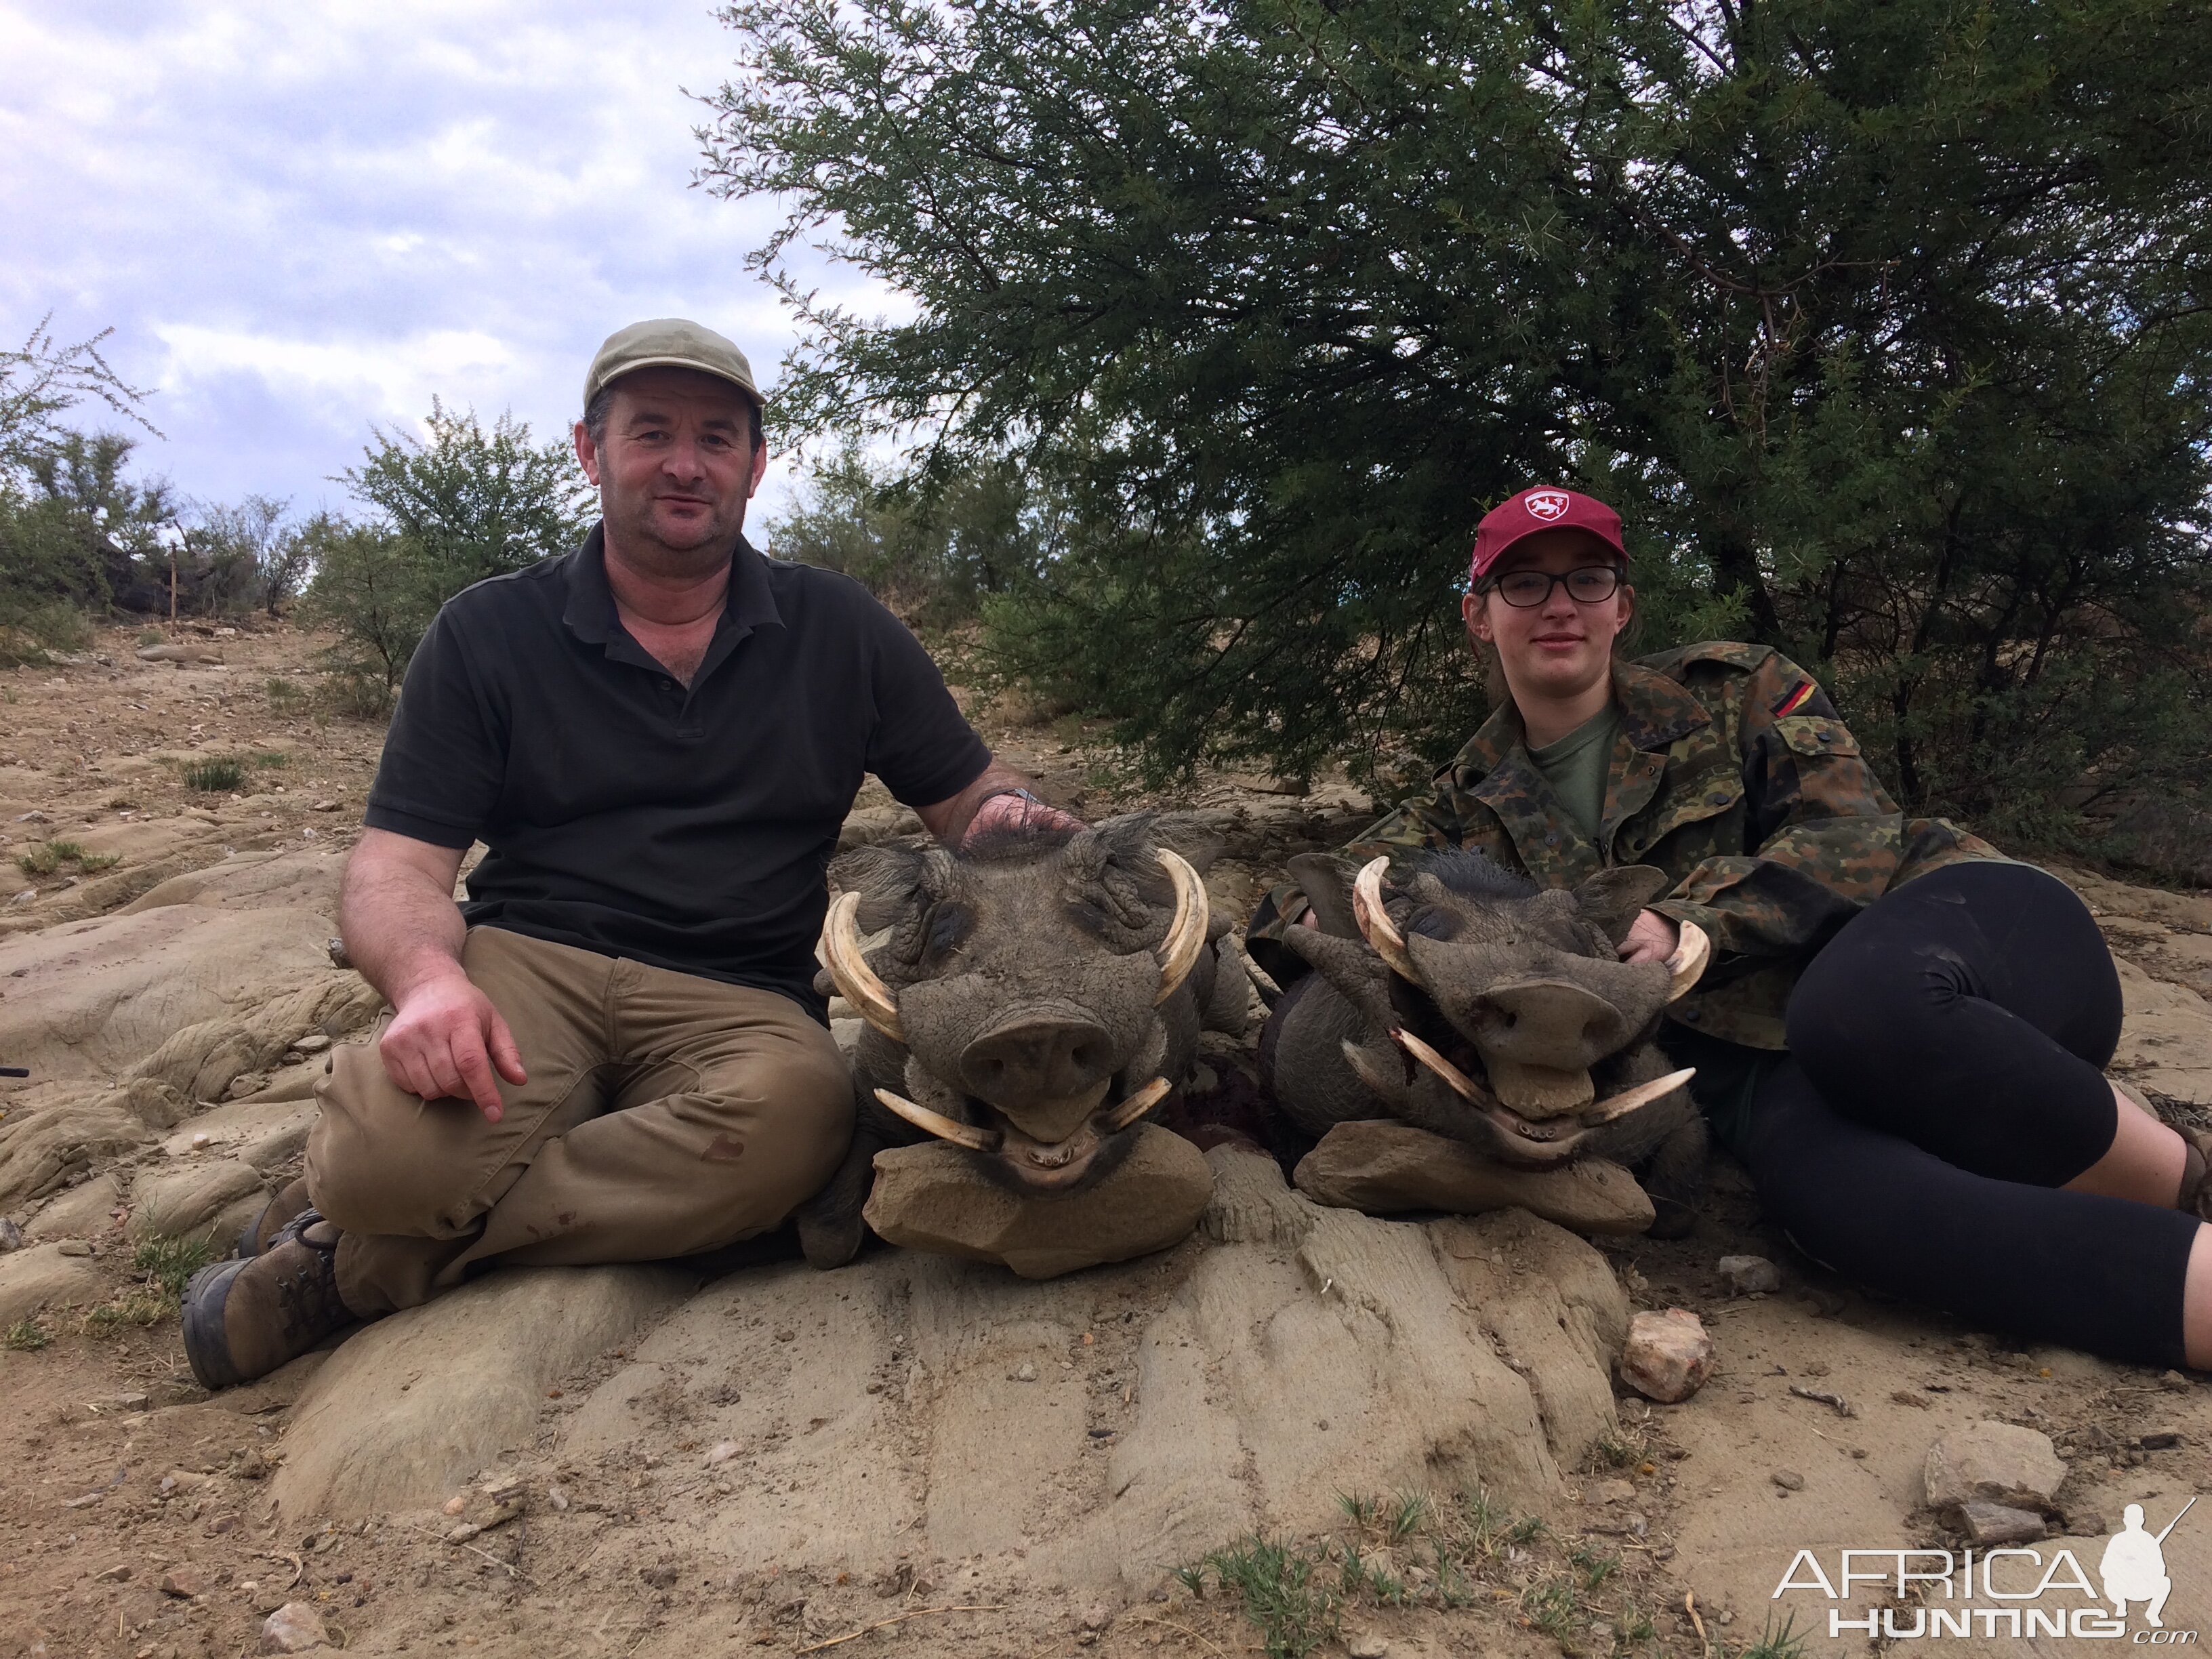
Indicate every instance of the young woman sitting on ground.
{"type": "Point", "coordinates": [1902, 1033]}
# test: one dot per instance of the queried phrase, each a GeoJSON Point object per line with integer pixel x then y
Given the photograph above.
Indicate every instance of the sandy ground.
{"type": "Point", "coordinates": [138, 1515]}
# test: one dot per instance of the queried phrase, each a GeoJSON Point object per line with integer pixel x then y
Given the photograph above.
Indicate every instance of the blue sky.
{"type": "Point", "coordinates": [300, 219]}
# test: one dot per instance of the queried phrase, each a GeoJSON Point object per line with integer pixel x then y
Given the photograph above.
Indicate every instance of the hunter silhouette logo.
{"type": "Point", "coordinates": [2134, 1565]}
{"type": "Point", "coordinates": [1545, 504]}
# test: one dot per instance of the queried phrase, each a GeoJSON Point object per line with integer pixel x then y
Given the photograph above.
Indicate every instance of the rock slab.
{"type": "Point", "coordinates": [196, 1201]}
{"type": "Point", "coordinates": [2000, 1523]}
{"type": "Point", "coordinates": [1995, 1463]}
{"type": "Point", "coordinates": [1749, 1275]}
{"type": "Point", "coordinates": [1383, 1167]}
{"type": "Point", "coordinates": [1667, 1356]}
{"type": "Point", "coordinates": [43, 1276]}
{"type": "Point", "coordinates": [416, 1403]}
{"type": "Point", "coordinates": [937, 1198]}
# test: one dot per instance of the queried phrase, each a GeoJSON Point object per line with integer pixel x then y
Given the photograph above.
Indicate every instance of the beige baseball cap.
{"type": "Point", "coordinates": [670, 342]}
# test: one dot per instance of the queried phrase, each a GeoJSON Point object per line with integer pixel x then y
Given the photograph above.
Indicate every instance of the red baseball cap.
{"type": "Point", "coordinates": [1541, 508]}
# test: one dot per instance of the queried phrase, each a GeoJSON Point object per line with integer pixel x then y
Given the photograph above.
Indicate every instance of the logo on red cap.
{"type": "Point", "coordinates": [1546, 504]}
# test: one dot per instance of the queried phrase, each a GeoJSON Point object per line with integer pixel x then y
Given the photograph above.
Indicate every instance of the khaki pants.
{"type": "Point", "coordinates": [665, 1115]}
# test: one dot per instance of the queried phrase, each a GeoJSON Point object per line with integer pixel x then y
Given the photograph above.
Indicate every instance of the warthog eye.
{"type": "Point", "coordinates": [1434, 921]}
{"type": "Point", "coordinates": [948, 924]}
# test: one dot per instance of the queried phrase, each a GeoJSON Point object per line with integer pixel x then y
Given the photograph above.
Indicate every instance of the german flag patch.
{"type": "Point", "coordinates": [1795, 700]}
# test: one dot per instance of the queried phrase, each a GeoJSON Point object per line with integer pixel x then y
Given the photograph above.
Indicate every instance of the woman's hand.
{"type": "Point", "coordinates": [1652, 937]}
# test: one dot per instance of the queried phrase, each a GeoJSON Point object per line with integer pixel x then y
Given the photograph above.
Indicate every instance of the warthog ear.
{"type": "Point", "coordinates": [1326, 882]}
{"type": "Point", "coordinates": [1189, 836]}
{"type": "Point", "coordinates": [890, 879]}
{"type": "Point", "coordinates": [1612, 899]}
{"type": "Point", "coordinates": [1129, 840]}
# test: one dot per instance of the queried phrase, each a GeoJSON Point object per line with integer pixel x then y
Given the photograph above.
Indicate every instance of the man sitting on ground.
{"type": "Point", "coordinates": [613, 1051]}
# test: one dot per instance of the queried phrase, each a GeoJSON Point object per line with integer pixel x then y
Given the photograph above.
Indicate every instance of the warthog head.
{"type": "Point", "coordinates": [1031, 1000]}
{"type": "Point", "coordinates": [1473, 1004]}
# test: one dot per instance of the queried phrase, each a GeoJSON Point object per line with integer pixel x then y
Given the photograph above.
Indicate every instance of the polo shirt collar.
{"type": "Point", "coordinates": [590, 613]}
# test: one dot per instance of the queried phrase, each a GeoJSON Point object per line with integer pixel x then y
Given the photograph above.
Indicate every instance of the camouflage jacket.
{"type": "Point", "coordinates": [1732, 773]}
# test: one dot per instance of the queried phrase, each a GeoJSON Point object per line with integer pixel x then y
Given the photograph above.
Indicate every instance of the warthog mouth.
{"type": "Point", "coordinates": [1541, 1141]}
{"type": "Point", "coordinates": [1042, 1165]}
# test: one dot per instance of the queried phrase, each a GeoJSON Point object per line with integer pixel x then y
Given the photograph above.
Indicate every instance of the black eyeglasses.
{"type": "Point", "coordinates": [1526, 589]}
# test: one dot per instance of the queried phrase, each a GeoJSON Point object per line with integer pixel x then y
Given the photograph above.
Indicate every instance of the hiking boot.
{"type": "Point", "coordinates": [276, 1215]}
{"type": "Point", "coordinates": [245, 1318]}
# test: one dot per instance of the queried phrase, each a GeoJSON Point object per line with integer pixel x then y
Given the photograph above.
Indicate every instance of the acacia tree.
{"type": "Point", "coordinates": [1884, 321]}
{"type": "Point", "coordinates": [446, 510]}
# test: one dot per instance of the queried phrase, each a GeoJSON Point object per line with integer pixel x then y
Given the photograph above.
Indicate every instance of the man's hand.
{"type": "Point", "coordinates": [1651, 938]}
{"type": "Point", "coordinates": [444, 1042]}
{"type": "Point", "coordinates": [1014, 812]}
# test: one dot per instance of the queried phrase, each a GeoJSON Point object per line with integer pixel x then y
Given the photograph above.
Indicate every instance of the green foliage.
{"type": "Point", "coordinates": [1884, 322]}
{"type": "Point", "coordinates": [27, 1335]}
{"type": "Point", "coordinates": [170, 1263]}
{"type": "Point", "coordinates": [1295, 1613]}
{"type": "Point", "coordinates": [932, 548]}
{"type": "Point", "coordinates": [450, 509]}
{"type": "Point", "coordinates": [213, 777]}
{"type": "Point", "coordinates": [49, 856]}
{"type": "Point", "coordinates": [1784, 1642]}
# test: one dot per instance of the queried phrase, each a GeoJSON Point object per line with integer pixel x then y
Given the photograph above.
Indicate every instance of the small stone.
{"type": "Point", "coordinates": [1025, 1372]}
{"type": "Point", "coordinates": [324, 806]}
{"type": "Point", "coordinates": [2000, 1523]}
{"type": "Point", "coordinates": [184, 1583]}
{"type": "Point", "coordinates": [556, 1497]}
{"type": "Point", "coordinates": [2160, 1439]}
{"type": "Point", "coordinates": [1612, 1492]}
{"type": "Point", "coordinates": [292, 1628]}
{"type": "Point", "coordinates": [1995, 1463]}
{"type": "Point", "coordinates": [1748, 1275]}
{"type": "Point", "coordinates": [455, 1504]}
{"type": "Point", "coordinates": [313, 1043]}
{"type": "Point", "coordinates": [1788, 1480]}
{"type": "Point", "coordinates": [1368, 1644]}
{"type": "Point", "coordinates": [114, 1575]}
{"type": "Point", "coordinates": [1098, 1616]}
{"type": "Point", "coordinates": [462, 1534]}
{"type": "Point", "coordinates": [11, 1235]}
{"type": "Point", "coordinates": [2173, 1382]}
{"type": "Point", "coordinates": [137, 1401]}
{"type": "Point", "coordinates": [1667, 1355]}
{"type": "Point", "coordinates": [2085, 1523]}
{"type": "Point", "coordinates": [722, 1451]}
{"type": "Point", "coordinates": [73, 1247]}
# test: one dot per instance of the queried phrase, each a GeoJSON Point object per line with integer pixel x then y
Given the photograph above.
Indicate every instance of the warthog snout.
{"type": "Point", "coordinates": [1548, 1021]}
{"type": "Point", "coordinates": [1038, 1054]}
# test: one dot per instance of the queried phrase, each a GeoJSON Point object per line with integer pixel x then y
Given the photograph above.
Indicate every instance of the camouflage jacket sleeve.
{"type": "Point", "coordinates": [1441, 820]}
{"type": "Point", "coordinates": [1822, 838]}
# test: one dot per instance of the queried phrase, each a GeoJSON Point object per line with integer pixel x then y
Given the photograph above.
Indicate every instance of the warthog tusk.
{"type": "Point", "coordinates": [848, 969]}
{"type": "Point", "coordinates": [1461, 1084]}
{"type": "Point", "coordinates": [1178, 952]}
{"type": "Point", "coordinates": [1642, 1094]}
{"type": "Point", "coordinates": [1375, 926]}
{"type": "Point", "coordinates": [943, 1128]}
{"type": "Point", "coordinates": [1135, 1106]}
{"type": "Point", "coordinates": [1684, 968]}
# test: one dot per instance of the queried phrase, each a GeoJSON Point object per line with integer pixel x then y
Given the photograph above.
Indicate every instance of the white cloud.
{"type": "Point", "coordinates": [300, 219]}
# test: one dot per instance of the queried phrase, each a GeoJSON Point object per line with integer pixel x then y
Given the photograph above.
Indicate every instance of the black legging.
{"type": "Point", "coordinates": [1945, 1078]}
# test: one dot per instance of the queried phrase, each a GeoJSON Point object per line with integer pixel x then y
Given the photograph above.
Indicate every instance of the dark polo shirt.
{"type": "Point", "coordinates": [691, 829]}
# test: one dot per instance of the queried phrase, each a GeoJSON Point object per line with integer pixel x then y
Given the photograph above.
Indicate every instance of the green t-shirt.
{"type": "Point", "coordinates": [1577, 764]}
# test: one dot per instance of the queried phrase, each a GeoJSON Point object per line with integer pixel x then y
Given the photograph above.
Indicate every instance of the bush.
{"type": "Point", "coordinates": [215, 777]}
{"type": "Point", "coordinates": [460, 506]}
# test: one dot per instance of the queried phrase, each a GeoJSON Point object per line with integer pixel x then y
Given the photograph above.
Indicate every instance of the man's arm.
{"type": "Point", "coordinates": [403, 932]}
{"type": "Point", "coordinates": [979, 806]}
